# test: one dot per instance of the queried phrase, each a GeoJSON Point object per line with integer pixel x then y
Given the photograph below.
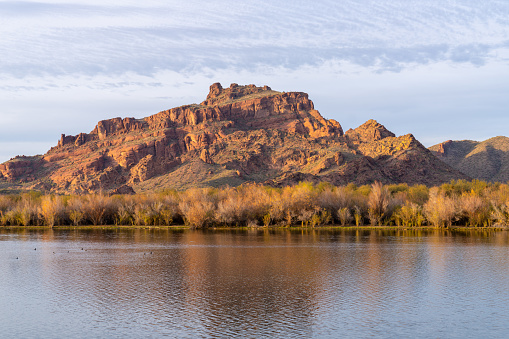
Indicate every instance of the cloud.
{"type": "Point", "coordinates": [416, 65]}
{"type": "Point", "coordinates": [83, 38]}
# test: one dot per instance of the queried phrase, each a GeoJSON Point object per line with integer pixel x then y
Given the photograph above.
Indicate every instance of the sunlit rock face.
{"type": "Point", "coordinates": [238, 134]}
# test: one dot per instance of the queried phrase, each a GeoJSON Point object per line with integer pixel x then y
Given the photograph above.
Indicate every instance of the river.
{"type": "Point", "coordinates": [323, 283]}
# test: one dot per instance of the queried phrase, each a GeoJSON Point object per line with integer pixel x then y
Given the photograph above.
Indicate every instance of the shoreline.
{"type": "Point", "coordinates": [259, 228]}
{"type": "Point", "coordinates": [462, 204]}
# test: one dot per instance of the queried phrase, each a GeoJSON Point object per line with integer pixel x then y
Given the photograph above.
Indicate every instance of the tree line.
{"type": "Point", "coordinates": [463, 203]}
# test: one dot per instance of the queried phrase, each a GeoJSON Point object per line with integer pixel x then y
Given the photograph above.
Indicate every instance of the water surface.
{"type": "Point", "coordinates": [253, 283]}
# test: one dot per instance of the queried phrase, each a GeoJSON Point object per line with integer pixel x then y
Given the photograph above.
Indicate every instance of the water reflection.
{"type": "Point", "coordinates": [253, 283]}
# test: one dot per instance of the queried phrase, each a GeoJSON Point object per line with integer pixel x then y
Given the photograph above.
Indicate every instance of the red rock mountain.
{"type": "Point", "coordinates": [238, 134]}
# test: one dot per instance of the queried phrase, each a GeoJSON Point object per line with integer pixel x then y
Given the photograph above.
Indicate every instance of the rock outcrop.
{"type": "Point", "coordinates": [238, 134]}
{"type": "Point", "coordinates": [370, 131]}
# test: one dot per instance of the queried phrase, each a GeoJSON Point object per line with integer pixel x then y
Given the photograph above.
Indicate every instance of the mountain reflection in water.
{"type": "Point", "coordinates": [253, 283]}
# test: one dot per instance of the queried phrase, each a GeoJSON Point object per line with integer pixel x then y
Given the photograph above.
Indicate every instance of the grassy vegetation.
{"type": "Point", "coordinates": [461, 203]}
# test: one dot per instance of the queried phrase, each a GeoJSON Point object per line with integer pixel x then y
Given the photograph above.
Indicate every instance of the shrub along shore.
{"type": "Point", "coordinates": [462, 203]}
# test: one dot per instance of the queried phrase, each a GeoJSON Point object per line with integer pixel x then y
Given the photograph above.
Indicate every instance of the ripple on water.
{"type": "Point", "coordinates": [253, 284]}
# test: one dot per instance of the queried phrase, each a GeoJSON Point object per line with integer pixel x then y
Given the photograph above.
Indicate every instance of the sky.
{"type": "Point", "coordinates": [438, 69]}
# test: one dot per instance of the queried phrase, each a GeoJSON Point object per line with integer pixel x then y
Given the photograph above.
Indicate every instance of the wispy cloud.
{"type": "Point", "coordinates": [56, 38]}
{"type": "Point", "coordinates": [423, 64]}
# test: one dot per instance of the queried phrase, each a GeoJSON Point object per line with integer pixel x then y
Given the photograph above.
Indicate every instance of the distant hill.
{"type": "Point", "coordinates": [238, 134]}
{"type": "Point", "coordinates": [487, 160]}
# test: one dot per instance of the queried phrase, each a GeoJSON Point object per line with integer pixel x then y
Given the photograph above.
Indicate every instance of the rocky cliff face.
{"type": "Point", "coordinates": [487, 160]}
{"type": "Point", "coordinates": [238, 134]}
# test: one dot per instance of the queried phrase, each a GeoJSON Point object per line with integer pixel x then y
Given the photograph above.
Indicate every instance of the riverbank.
{"type": "Point", "coordinates": [461, 203]}
{"type": "Point", "coordinates": [259, 228]}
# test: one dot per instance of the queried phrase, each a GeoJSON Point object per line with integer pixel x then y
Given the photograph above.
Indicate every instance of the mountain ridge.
{"type": "Point", "coordinates": [237, 134]}
{"type": "Point", "coordinates": [484, 160]}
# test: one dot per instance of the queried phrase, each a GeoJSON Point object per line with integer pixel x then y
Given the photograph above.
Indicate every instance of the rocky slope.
{"type": "Point", "coordinates": [487, 160]}
{"type": "Point", "coordinates": [238, 134]}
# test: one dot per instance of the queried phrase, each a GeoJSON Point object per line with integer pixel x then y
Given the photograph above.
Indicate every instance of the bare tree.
{"type": "Point", "coordinates": [378, 203]}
